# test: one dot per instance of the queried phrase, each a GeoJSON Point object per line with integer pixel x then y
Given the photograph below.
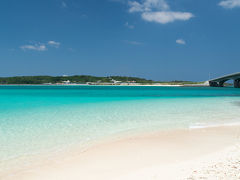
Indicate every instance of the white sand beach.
{"type": "Point", "coordinates": [208, 153]}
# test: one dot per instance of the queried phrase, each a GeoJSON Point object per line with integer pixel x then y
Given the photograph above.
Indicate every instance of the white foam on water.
{"type": "Point", "coordinates": [203, 126]}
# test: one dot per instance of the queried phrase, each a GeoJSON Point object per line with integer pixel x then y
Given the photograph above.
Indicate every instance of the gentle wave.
{"type": "Point", "coordinates": [203, 126]}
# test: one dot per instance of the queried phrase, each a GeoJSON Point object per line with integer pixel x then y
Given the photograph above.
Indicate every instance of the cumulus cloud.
{"type": "Point", "coordinates": [181, 41]}
{"type": "Point", "coordinates": [155, 4]}
{"type": "Point", "coordinates": [157, 11]}
{"type": "Point", "coordinates": [54, 44]}
{"type": "Point", "coordinates": [38, 46]}
{"type": "Point", "coordinates": [164, 17]}
{"type": "Point", "coordinates": [229, 4]}
{"type": "Point", "coordinates": [135, 6]}
{"type": "Point", "coordinates": [147, 5]}
{"type": "Point", "coordinates": [35, 47]}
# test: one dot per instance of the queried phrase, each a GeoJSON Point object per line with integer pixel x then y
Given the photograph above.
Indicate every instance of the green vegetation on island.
{"type": "Point", "coordinates": [78, 79]}
{"type": "Point", "coordinates": [86, 79]}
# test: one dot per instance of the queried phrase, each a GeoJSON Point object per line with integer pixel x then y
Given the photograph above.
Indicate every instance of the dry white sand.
{"type": "Point", "coordinates": [182, 154]}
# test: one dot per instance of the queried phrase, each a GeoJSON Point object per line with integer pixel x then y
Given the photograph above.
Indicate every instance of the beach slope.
{"type": "Point", "coordinates": [179, 154]}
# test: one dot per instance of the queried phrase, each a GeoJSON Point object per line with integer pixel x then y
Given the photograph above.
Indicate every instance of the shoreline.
{"type": "Point", "coordinates": [90, 85]}
{"type": "Point", "coordinates": [135, 155]}
{"type": "Point", "coordinates": [110, 85]}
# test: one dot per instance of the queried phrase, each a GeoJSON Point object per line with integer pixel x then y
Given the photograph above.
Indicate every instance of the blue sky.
{"type": "Point", "coordinates": [155, 39]}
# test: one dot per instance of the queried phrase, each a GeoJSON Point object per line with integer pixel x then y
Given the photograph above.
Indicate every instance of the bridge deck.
{"type": "Point", "coordinates": [226, 77]}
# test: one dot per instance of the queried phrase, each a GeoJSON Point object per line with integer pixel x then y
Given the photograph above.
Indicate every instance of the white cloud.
{"type": "Point", "coordinates": [135, 6]}
{"type": "Point", "coordinates": [54, 44]}
{"type": "Point", "coordinates": [229, 4]}
{"type": "Point", "coordinates": [129, 25]}
{"type": "Point", "coordinates": [147, 5]}
{"type": "Point", "coordinates": [35, 47]}
{"type": "Point", "coordinates": [40, 46]}
{"type": "Point", "coordinates": [155, 4]}
{"type": "Point", "coordinates": [181, 41]}
{"type": "Point", "coordinates": [157, 11]}
{"type": "Point", "coordinates": [164, 17]}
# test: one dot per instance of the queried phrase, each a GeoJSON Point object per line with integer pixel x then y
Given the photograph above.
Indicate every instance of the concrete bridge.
{"type": "Point", "coordinates": [219, 82]}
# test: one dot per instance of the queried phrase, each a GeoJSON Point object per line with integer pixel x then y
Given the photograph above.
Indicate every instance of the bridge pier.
{"type": "Point", "coordinates": [221, 83]}
{"type": "Point", "coordinates": [213, 84]}
{"type": "Point", "coordinates": [216, 84]}
{"type": "Point", "coordinates": [237, 83]}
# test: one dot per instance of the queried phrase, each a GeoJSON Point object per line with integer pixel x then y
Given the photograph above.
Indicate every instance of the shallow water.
{"type": "Point", "coordinates": [34, 119]}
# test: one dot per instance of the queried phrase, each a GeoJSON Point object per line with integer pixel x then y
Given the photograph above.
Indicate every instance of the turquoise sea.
{"type": "Point", "coordinates": [35, 119]}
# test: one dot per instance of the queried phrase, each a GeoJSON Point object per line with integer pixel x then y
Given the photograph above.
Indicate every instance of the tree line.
{"type": "Point", "coordinates": [81, 79]}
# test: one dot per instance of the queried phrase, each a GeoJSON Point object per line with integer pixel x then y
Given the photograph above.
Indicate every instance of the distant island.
{"type": "Point", "coordinates": [86, 80]}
